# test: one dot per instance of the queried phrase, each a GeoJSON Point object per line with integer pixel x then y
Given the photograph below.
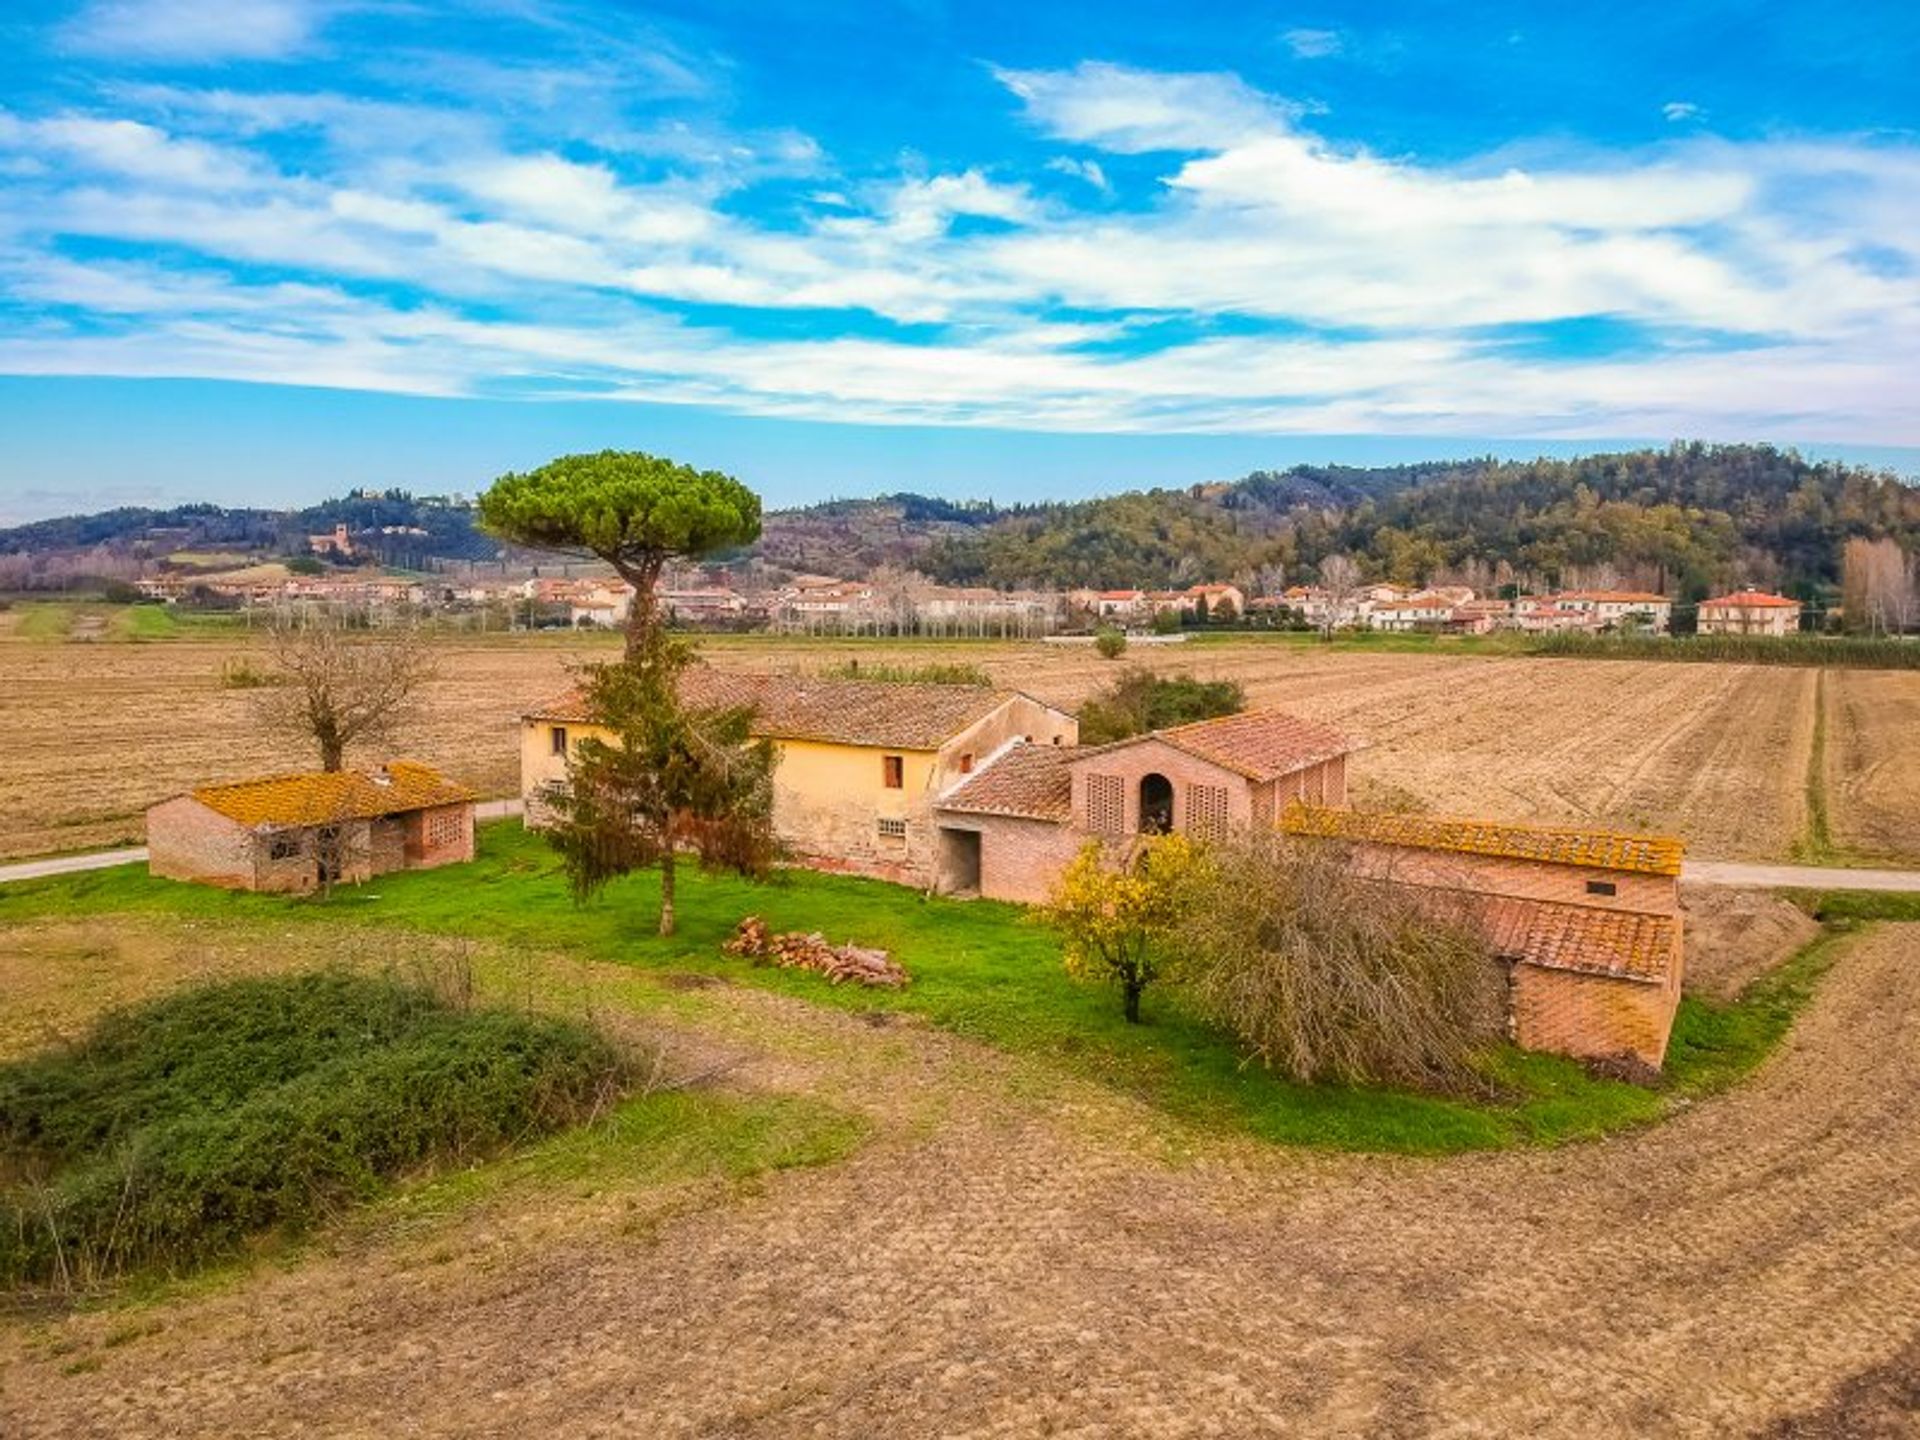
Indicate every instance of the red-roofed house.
{"type": "Point", "coordinates": [1749, 612]}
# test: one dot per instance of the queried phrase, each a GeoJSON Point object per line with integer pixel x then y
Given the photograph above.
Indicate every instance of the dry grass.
{"type": "Point", "coordinates": [1023, 1261]}
{"type": "Point", "coordinates": [1715, 753]}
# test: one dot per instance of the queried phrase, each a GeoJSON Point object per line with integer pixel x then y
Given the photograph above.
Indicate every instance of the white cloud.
{"type": "Point", "coordinates": [1309, 44]}
{"type": "Point", "coordinates": [195, 31]}
{"type": "Point", "coordinates": [1087, 170]}
{"type": "Point", "coordinates": [1129, 111]}
{"type": "Point", "coordinates": [1677, 110]}
{"type": "Point", "coordinates": [1266, 280]}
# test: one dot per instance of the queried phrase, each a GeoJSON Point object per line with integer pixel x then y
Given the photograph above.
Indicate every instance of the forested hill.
{"type": "Point", "coordinates": [1686, 519]}
{"type": "Point", "coordinates": [397, 528]}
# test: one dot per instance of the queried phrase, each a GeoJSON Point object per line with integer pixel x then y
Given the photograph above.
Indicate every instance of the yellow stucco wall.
{"type": "Point", "coordinates": [829, 799]}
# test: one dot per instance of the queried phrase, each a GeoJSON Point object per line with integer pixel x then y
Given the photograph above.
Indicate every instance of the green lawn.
{"type": "Point", "coordinates": [984, 970]}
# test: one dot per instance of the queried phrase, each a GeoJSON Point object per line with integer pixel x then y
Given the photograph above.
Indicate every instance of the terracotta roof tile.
{"type": "Point", "coordinates": [1627, 943]}
{"type": "Point", "coordinates": [1601, 849]}
{"type": "Point", "coordinates": [321, 797]}
{"type": "Point", "coordinates": [1030, 781]}
{"type": "Point", "coordinates": [1259, 744]}
{"type": "Point", "coordinates": [904, 715]}
{"type": "Point", "coordinates": [1753, 600]}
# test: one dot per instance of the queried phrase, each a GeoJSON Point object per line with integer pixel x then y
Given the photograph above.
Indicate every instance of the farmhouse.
{"type": "Point", "coordinates": [1587, 922]}
{"type": "Point", "coordinates": [1749, 612]}
{"type": "Point", "coordinates": [861, 761]}
{"type": "Point", "coordinates": [297, 832]}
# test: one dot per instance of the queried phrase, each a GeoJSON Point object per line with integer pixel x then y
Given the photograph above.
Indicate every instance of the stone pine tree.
{"type": "Point", "coordinates": [675, 779]}
{"type": "Point", "coordinates": [632, 510]}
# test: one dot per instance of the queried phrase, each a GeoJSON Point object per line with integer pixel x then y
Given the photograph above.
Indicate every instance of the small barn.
{"type": "Point", "coordinates": [294, 833]}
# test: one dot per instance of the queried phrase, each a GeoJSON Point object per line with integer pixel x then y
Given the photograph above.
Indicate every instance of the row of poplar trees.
{"type": "Point", "coordinates": [676, 778]}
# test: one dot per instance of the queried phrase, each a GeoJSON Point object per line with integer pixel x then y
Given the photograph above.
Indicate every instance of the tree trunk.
{"type": "Point", "coordinates": [1130, 1000]}
{"type": "Point", "coordinates": [643, 614]}
{"type": "Point", "coordinates": [666, 893]}
{"type": "Point", "coordinates": [333, 755]}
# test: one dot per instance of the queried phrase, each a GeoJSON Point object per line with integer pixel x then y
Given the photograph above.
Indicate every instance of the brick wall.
{"type": "Point", "coordinates": [1183, 771]}
{"type": "Point", "coordinates": [1020, 859]}
{"type": "Point", "coordinates": [1521, 879]}
{"type": "Point", "coordinates": [442, 835]}
{"type": "Point", "coordinates": [1592, 1016]}
{"type": "Point", "coordinates": [187, 841]}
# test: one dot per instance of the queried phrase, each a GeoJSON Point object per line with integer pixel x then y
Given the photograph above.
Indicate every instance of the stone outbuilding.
{"type": "Point", "coordinates": [296, 832]}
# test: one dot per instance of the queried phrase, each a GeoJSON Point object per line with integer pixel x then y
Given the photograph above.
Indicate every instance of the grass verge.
{"type": "Point", "coordinates": [980, 969]}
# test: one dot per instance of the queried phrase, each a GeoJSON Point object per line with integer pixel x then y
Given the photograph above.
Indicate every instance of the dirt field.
{"type": "Point", "coordinates": [1719, 754]}
{"type": "Point", "coordinates": [1017, 1256]}
{"type": "Point", "coordinates": [1873, 761]}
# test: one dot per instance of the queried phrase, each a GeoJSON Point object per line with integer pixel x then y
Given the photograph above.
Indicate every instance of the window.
{"type": "Point", "coordinates": [1207, 811]}
{"type": "Point", "coordinates": [444, 829]}
{"type": "Point", "coordinates": [966, 764]}
{"type": "Point", "coordinates": [559, 737]}
{"type": "Point", "coordinates": [893, 829]}
{"type": "Point", "coordinates": [1602, 887]}
{"type": "Point", "coordinates": [1106, 804]}
{"type": "Point", "coordinates": [285, 846]}
{"type": "Point", "coordinates": [893, 771]}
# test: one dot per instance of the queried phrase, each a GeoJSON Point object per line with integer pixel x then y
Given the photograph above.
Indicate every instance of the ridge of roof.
{"type": "Point", "coordinates": [318, 797]}
{"type": "Point", "coordinates": [905, 714]}
{"type": "Point", "coordinates": [1554, 845]}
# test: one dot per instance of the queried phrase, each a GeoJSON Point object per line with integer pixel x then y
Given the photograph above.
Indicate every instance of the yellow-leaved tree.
{"type": "Point", "coordinates": [1112, 918]}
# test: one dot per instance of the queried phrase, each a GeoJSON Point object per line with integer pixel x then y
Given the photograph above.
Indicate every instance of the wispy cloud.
{"type": "Point", "coordinates": [196, 31]}
{"type": "Point", "coordinates": [1217, 265]}
{"type": "Point", "coordinates": [1680, 110]}
{"type": "Point", "coordinates": [1311, 44]}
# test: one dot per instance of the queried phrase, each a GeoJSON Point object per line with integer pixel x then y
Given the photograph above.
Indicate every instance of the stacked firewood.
{"type": "Point", "coordinates": [794, 951]}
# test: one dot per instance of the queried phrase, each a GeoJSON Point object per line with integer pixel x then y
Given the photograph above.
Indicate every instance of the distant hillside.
{"type": "Point", "coordinates": [1686, 519]}
{"type": "Point", "coordinates": [393, 528]}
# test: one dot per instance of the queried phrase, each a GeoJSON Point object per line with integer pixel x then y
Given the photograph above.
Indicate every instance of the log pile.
{"type": "Point", "coordinates": [794, 951]}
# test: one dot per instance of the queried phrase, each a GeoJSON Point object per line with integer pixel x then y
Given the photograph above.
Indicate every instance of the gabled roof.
{"type": "Point", "coordinates": [1600, 849]}
{"type": "Point", "coordinates": [1753, 600]}
{"type": "Point", "coordinates": [1259, 744]}
{"type": "Point", "coordinates": [905, 715]}
{"type": "Point", "coordinates": [321, 797]}
{"type": "Point", "coordinates": [1034, 782]}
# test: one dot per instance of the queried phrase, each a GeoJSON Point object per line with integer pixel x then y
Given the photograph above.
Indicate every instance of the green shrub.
{"type": "Point", "coordinates": [928, 674]}
{"type": "Point", "coordinates": [176, 1131]}
{"type": "Point", "coordinates": [1139, 701]}
{"type": "Point", "coordinates": [1110, 643]}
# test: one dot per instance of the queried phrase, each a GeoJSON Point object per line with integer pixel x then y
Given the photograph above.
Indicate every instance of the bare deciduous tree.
{"type": "Point", "coordinates": [1340, 580]}
{"type": "Point", "coordinates": [334, 689]}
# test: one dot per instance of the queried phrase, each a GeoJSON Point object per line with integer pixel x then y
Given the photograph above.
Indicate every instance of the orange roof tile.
{"type": "Point", "coordinates": [1600, 849]}
{"type": "Point", "coordinates": [1259, 744]}
{"type": "Point", "coordinates": [1029, 781]}
{"type": "Point", "coordinates": [904, 715]}
{"type": "Point", "coordinates": [320, 797]}
{"type": "Point", "coordinates": [1753, 600]}
{"type": "Point", "coordinates": [1630, 944]}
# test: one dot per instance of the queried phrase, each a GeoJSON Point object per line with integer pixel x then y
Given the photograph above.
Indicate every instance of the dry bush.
{"type": "Point", "coordinates": [1329, 976]}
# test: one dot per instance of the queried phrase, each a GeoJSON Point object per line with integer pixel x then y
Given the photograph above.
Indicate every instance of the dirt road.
{"type": "Point", "coordinates": [1022, 1259]}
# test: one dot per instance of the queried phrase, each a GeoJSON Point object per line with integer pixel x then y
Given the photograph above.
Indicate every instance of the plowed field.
{"type": "Point", "coordinates": [95, 732]}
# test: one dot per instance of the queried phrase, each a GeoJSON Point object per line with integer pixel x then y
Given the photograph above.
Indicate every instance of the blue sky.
{"type": "Point", "coordinates": [267, 249]}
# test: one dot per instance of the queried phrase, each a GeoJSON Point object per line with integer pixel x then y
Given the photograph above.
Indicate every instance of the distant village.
{"type": "Point", "coordinates": [897, 602]}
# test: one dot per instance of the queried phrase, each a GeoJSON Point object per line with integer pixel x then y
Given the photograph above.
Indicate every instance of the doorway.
{"type": "Point", "coordinates": [1156, 804]}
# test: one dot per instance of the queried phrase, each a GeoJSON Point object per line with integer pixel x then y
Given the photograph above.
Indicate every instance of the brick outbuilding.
{"type": "Point", "coordinates": [294, 832]}
{"type": "Point", "coordinates": [1587, 922]}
